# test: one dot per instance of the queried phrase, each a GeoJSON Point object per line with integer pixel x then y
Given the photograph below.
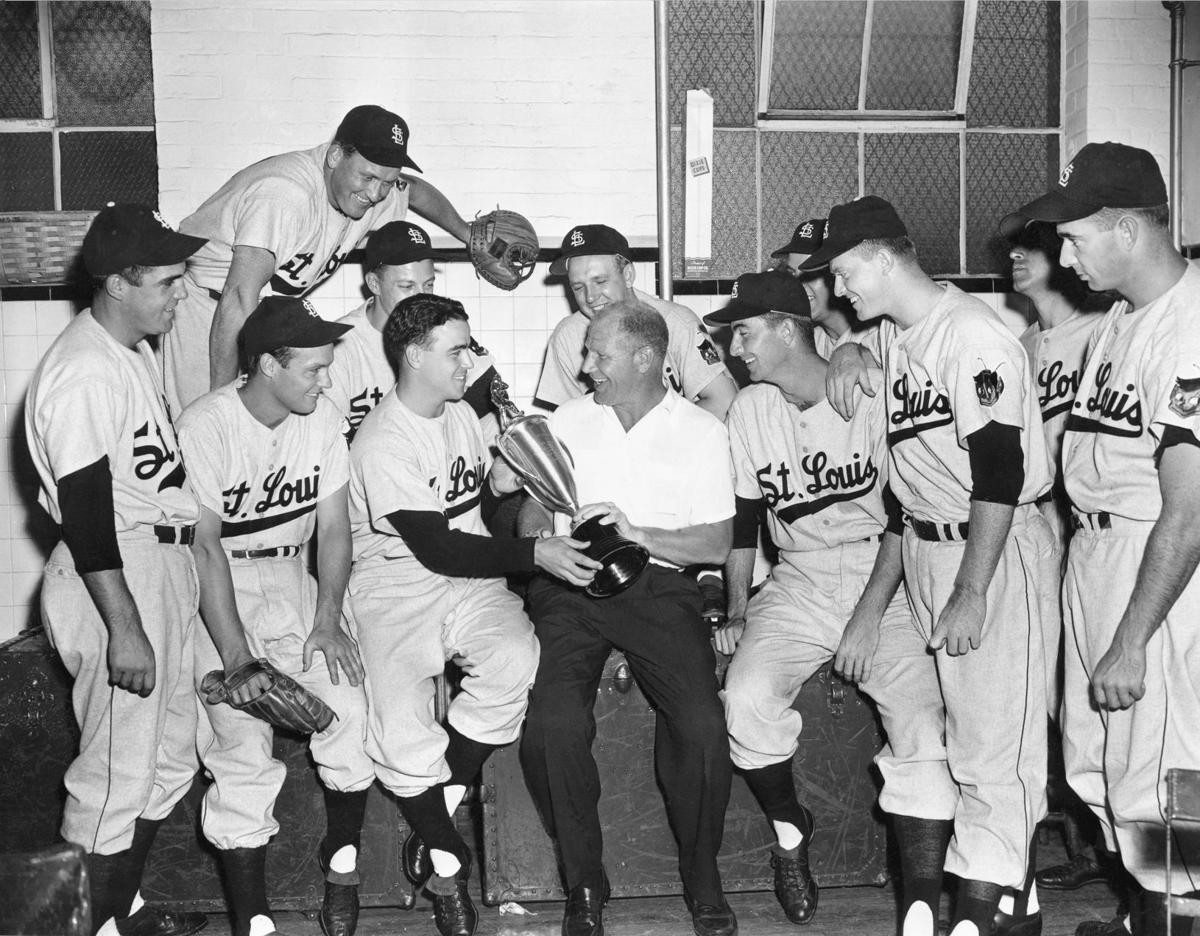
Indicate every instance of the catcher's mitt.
{"type": "Point", "coordinates": [286, 704]}
{"type": "Point", "coordinates": [503, 246]}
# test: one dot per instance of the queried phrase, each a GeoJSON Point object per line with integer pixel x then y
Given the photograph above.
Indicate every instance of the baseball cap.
{"type": "Point", "coordinates": [128, 235]}
{"type": "Point", "coordinates": [397, 243]}
{"type": "Point", "coordinates": [287, 322]}
{"type": "Point", "coordinates": [849, 224]}
{"type": "Point", "coordinates": [378, 134]}
{"type": "Point", "coordinates": [805, 239]}
{"type": "Point", "coordinates": [758, 293]}
{"type": "Point", "coordinates": [587, 240]}
{"type": "Point", "coordinates": [1102, 175]}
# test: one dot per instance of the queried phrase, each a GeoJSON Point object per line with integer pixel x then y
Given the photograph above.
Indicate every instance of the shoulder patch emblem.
{"type": "Point", "coordinates": [988, 386]}
{"type": "Point", "coordinates": [1185, 397]}
{"type": "Point", "coordinates": [707, 350]}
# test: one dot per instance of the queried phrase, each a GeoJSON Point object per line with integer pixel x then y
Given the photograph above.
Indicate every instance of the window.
{"type": "Point", "coordinates": [76, 106]}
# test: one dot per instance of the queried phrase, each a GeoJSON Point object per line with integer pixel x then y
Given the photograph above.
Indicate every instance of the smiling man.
{"type": "Point", "coordinates": [1131, 456]}
{"type": "Point", "coordinates": [284, 225]}
{"type": "Point", "coordinates": [270, 469]}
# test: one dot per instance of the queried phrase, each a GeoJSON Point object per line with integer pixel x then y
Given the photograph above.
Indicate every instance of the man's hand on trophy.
{"type": "Point", "coordinates": [609, 512]}
{"type": "Point", "coordinates": [504, 478]}
{"type": "Point", "coordinates": [565, 557]}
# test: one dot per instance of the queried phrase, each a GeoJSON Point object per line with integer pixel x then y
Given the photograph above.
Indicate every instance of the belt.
{"type": "Point", "coordinates": [1046, 498]}
{"type": "Point", "coordinates": [1094, 522]}
{"type": "Point", "coordinates": [937, 532]}
{"type": "Point", "coordinates": [183, 535]}
{"type": "Point", "coordinates": [213, 294]}
{"type": "Point", "coordinates": [265, 553]}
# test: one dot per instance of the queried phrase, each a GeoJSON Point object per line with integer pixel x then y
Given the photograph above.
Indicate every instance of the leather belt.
{"type": "Point", "coordinates": [938, 532]}
{"type": "Point", "coordinates": [1093, 522]}
{"type": "Point", "coordinates": [265, 553]}
{"type": "Point", "coordinates": [183, 535]}
{"type": "Point", "coordinates": [213, 294]}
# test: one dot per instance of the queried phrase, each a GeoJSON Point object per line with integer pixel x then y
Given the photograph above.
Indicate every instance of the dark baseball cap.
{"type": "Point", "coordinates": [398, 243]}
{"type": "Point", "coordinates": [758, 293]}
{"type": "Point", "coordinates": [587, 240]}
{"type": "Point", "coordinates": [849, 224]}
{"type": "Point", "coordinates": [128, 235]}
{"type": "Point", "coordinates": [1102, 175]}
{"type": "Point", "coordinates": [805, 239]}
{"type": "Point", "coordinates": [378, 134]}
{"type": "Point", "coordinates": [287, 322]}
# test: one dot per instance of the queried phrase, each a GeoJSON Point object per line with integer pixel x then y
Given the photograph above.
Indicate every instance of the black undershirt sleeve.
{"type": "Point", "coordinates": [746, 519]}
{"type": "Point", "coordinates": [997, 464]}
{"type": "Point", "coordinates": [1174, 435]}
{"type": "Point", "coordinates": [479, 394]}
{"type": "Point", "coordinates": [85, 500]}
{"type": "Point", "coordinates": [455, 553]}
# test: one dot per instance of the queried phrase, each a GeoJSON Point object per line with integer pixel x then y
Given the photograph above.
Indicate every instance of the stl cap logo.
{"type": "Point", "coordinates": [161, 220]}
{"type": "Point", "coordinates": [397, 134]}
{"type": "Point", "coordinates": [416, 236]}
{"type": "Point", "coordinates": [577, 238]}
{"type": "Point", "coordinates": [1065, 175]}
{"type": "Point", "coordinates": [733, 294]}
{"type": "Point", "coordinates": [308, 307]}
{"type": "Point", "coordinates": [806, 230]}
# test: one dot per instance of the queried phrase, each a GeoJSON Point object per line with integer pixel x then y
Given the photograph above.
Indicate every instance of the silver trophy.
{"type": "Point", "coordinates": [545, 465]}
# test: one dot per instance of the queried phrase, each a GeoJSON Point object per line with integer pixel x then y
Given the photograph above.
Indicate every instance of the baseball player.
{"type": "Point", "coordinates": [658, 468]}
{"type": "Point", "coordinates": [832, 595]}
{"type": "Point", "coordinates": [595, 261]}
{"type": "Point", "coordinates": [285, 224]}
{"type": "Point", "coordinates": [270, 468]}
{"type": "Point", "coordinates": [397, 263]}
{"type": "Point", "coordinates": [1130, 459]}
{"type": "Point", "coordinates": [834, 319]}
{"type": "Point", "coordinates": [968, 462]}
{"type": "Point", "coordinates": [118, 593]}
{"type": "Point", "coordinates": [427, 586]}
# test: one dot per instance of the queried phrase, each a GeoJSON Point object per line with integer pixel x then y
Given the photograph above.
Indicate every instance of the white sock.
{"type": "Point", "coordinates": [344, 860]}
{"type": "Point", "coordinates": [261, 925]}
{"type": "Point", "coordinates": [961, 928]}
{"type": "Point", "coordinates": [919, 920]}
{"type": "Point", "coordinates": [1033, 906]}
{"type": "Point", "coordinates": [1008, 902]}
{"type": "Point", "coordinates": [109, 928]}
{"type": "Point", "coordinates": [444, 863]}
{"type": "Point", "coordinates": [1128, 926]}
{"type": "Point", "coordinates": [454, 793]}
{"type": "Point", "coordinates": [137, 903]}
{"type": "Point", "coordinates": [787, 834]}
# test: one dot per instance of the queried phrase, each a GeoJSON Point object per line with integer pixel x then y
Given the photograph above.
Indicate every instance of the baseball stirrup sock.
{"type": "Point", "coordinates": [922, 846]}
{"type": "Point", "coordinates": [975, 906]}
{"type": "Point", "coordinates": [426, 815]}
{"type": "Point", "coordinates": [344, 814]}
{"type": "Point", "coordinates": [775, 789]}
{"type": "Point", "coordinates": [113, 885]}
{"type": "Point", "coordinates": [464, 757]}
{"type": "Point", "coordinates": [245, 873]}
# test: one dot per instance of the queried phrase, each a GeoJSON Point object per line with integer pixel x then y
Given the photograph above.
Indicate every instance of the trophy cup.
{"type": "Point", "coordinates": [546, 468]}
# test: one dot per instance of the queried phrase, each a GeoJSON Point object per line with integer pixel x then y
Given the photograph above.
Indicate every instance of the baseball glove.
{"type": "Point", "coordinates": [286, 704]}
{"type": "Point", "coordinates": [503, 246]}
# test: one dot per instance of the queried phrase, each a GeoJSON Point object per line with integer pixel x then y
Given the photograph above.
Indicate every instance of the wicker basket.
{"type": "Point", "coordinates": [41, 248]}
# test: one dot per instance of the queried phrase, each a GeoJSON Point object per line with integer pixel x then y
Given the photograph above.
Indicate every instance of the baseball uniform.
{"type": "Point", "coordinates": [867, 336]}
{"type": "Point", "coordinates": [822, 482]}
{"type": "Point", "coordinates": [279, 204]}
{"type": "Point", "coordinates": [692, 361]}
{"type": "Point", "coordinates": [92, 397]}
{"type": "Point", "coordinates": [1140, 380]}
{"type": "Point", "coordinates": [947, 376]}
{"type": "Point", "coordinates": [265, 485]}
{"type": "Point", "coordinates": [409, 620]}
{"type": "Point", "coordinates": [361, 375]}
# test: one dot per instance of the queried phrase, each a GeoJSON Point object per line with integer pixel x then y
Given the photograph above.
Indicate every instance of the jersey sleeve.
{"type": "Point", "coordinates": [202, 443]}
{"type": "Point", "coordinates": [271, 215]}
{"type": "Point", "coordinates": [560, 379]}
{"type": "Point", "coordinates": [987, 383]}
{"type": "Point", "coordinates": [711, 496]}
{"type": "Point", "coordinates": [1171, 376]}
{"type": "Point", "coordinates": [78, 424]}
{"type": "Point", "coordinates": [335, 460]}
{"type": "Point", "coordinates": [694, 354]}
{"type": "Point", "coordinates": [745, 477]}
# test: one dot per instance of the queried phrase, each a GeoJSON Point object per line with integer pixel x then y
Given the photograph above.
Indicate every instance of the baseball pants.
{"type": "Point", "coordinates": [137, 757]}
{"type": "Point", "coordinates": [657, 623]}
{"type": "Point", "coordinates": [1118, 760]}
{"type": "Point", "coordinates": [1050, 581]}
{"type": "Point", "coordinates": [995, 699]}
{"type": "Point", "coordinates": [276, 600]}
{"type": "Point", "coordinates": [409, 623]}
{"type": "Point", "coordinates": [793, 627]}
{"type": "Point", "coordinates": [185, 348]}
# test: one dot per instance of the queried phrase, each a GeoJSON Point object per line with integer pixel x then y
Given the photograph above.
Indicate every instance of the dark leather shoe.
{"type": "Point", "coordinates": [454, 913]}
{"type": "Point", "coordinates": [1075, 873]}
{"type": "Point", "coordinates": [159, 921]}
{"type": "Point", "coordinates": [339, 909]}
{"type": "Point", "coordinates": [794, 884]}
{"type": "Point", "coordinates": [584, 913]}
{"type": "Point", "coordinates": [1113, 927]}
{"type": "Point", "coordinates": [714, 919]}
{"type": "Point", "coordinates": [414, 860]}
{"type": "Point", "coordinates": [1005, 924]}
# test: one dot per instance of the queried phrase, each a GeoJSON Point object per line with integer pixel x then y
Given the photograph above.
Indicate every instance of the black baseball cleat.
{"type": "Point", "coordinates": [1113, 927]}
{"type": "Point", "coordinates": [1075, 873]}
{"type": "Point", "coordinates": [159, 921]}
{"type": "Point", "coordinates": [414, 860]}
{"type": "Point", "coordinates": [1004, 924]}
{"type": "Point", "coordinates": [584, 912]}
{"type": "Point", "coordinates": [795, 887]}
{"type": "Point", "coordinates": [454, 913]}
{"type": "Point", "coordinates": [712, 919]}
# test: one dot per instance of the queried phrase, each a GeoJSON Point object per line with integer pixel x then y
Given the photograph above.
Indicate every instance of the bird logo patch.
{"type": "Point", "coordinates": [1185, 396]}
{"type": "Point", "coordinates": [706, 348]}
{"type": "Point", "coordinates": [988, 386]}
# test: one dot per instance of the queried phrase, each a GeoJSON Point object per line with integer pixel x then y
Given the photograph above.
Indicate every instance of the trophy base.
{"type": "Point", "coordinates": [622, 560]}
